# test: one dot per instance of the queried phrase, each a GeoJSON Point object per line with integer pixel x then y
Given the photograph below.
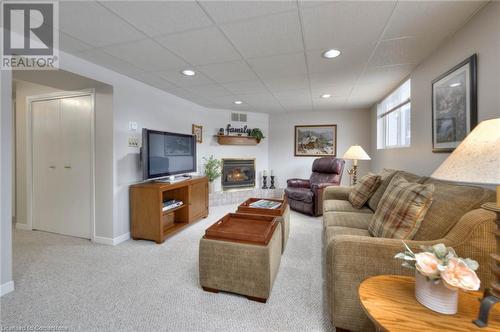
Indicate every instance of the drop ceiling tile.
{"type": "Point", "coordinates": [285, 83]}
{"type": "Point", "coordinates": [279, 65]}
{"type": "Point", "coordinates": [72, 45]}
{"type": "Point", "coordinates": [407, 50]}
{"type": "Point", "coordinates": [226, 11]}
{"type": "Point", "coordinates": [412, 18]}
{"type": "Point", "coordinates": [93, 24]}
{"type": "Point", "coordinates": [147, 55]}
{"type": "Point", "coordinates": [368, 94]}
{"type": "Point", "coordinates": [201, 46]}
{"type": "Point", "coordinates": [208, 91]}
{"type": "Point", "coordinates": [175, 77]}
{"type": "Point", "coordinates": [330, 104]}
{"type": "Point", "coordinates": [297, 100]}
{"type": "Point", "coordinates": [333, 83]}
{"type": "Point", "coordinates": [228, 71]}
{"type": "Point", "coordinates": [261, 100]}
{"type": "Point", "coordinates": [385, 75]}
{"type": "Point", "coordinates": [101, 58]}
{"type": "Point", "coordinates": [269, 35]}
{"type": "Point", "coordinates": [226, 102]}
{"type": "Point", "coordinates": [153, 80]}
{"type": "Point", "coordinates": [246, 87]}
{"type": "Point", "coordinates": [352, 57]}
{"type": "Point", "coordinates": [344, 23]}
{"type": "Point", "coordinates": [160, 17]}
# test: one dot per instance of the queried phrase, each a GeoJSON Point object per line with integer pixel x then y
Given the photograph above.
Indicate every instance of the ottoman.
{"type": "Point", "coordinates": [282, 213]}
{"type": "Point", "coordinates": [241, 254]}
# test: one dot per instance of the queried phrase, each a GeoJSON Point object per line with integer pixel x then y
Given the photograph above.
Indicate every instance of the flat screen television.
{"type": "Point", "coordinates": [166, 154]}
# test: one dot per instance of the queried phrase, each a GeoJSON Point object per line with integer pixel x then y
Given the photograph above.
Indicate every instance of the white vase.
{"type": "Point", "coordinates": [435, 295]}
{"type": "Point", "coordinates": [211, 186]}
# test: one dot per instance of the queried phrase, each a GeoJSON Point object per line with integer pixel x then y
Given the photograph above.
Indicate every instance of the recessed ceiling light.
{"type": "Point", "coordinates": [326, 95]}
{"type": "Point", "coordinates": [330, 54]}
{"type": "Point", "coordinates": [188, 72]}
{"type": "Point", "coordinates": [238, 102]}
{"type": "Point", "coordinates": [455, 84]}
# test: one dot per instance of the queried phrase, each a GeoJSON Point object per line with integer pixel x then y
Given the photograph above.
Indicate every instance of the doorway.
{"type": "Point", "coordinates": [61, 188]}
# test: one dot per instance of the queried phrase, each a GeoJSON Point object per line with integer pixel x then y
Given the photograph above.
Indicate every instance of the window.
{"type": "Point", "coordinates": [393, 119]}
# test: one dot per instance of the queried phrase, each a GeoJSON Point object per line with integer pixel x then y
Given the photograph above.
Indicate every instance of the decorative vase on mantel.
{"type": "Point", "coordinates": [434, 295]}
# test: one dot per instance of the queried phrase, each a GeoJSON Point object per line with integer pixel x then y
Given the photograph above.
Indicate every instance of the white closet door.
{"type": "Point", "coordinates": [62, 176]}
{"type": "Point", "coordinates": [76, 163]}
{"type": "Point", "coordinates": [46, 165]}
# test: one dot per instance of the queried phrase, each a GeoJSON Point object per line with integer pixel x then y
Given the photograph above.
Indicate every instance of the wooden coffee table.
{"type": "Point", "coordinates": [389, 301]}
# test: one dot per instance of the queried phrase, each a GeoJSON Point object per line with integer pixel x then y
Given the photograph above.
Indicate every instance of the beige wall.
{"type": "Point", "coordinates": [353, 127]}
{"type": "Point", "coordinates": [480, 35]}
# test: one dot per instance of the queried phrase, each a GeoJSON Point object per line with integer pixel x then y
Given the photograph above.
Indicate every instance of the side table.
{"type": "Point", "coordinates": [389, 301]}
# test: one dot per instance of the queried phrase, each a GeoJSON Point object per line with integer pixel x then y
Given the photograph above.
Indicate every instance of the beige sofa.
{"type": "Point", "coordinates": [352, 255]}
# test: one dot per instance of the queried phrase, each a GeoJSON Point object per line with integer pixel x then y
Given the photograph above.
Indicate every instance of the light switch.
{"type": "Point", "coordinates": [133, 142]}
{"type": "Point", "coordinates": [132, 126]}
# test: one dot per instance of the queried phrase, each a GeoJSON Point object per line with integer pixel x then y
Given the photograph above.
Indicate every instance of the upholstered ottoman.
{"type": "Point", "coordinates": [282, 213]}
{"type": "Point", "coordinates": [241, 254]}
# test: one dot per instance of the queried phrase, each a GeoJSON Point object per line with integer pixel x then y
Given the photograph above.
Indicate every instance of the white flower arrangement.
{"type": "Point", "coordinates": [439, 262]}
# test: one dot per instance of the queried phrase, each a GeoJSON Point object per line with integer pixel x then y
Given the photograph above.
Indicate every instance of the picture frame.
{"type": "Point", "coordinates": [454, 105]}
{"type": "Point", "coordinates": [315, 140]}
{"type": "Point", "coordinates": [198, 132]}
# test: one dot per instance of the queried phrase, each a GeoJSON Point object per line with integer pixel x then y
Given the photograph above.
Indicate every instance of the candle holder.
{"type": "Point", "coordinates": [264, 177]}
{"type": "Point", "coordinates": [272, 183]}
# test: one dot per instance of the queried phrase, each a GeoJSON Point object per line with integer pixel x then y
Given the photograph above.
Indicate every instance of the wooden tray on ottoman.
{"type": "Point", "coordinates": [245, 228]}
{"type": "Point", "coordinates": [246, 208]}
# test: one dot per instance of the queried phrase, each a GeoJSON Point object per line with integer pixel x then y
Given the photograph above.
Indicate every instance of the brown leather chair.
{"type": "Point", "coordinates": [306, 196]}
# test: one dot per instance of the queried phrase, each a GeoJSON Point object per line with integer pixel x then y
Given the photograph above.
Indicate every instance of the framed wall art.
{"type": "Point", "coordinates": [198, 132]}
{"type": "Point", "coordinates": [454, 105]}
{"type": "Point", "coordinates": [316, 140]}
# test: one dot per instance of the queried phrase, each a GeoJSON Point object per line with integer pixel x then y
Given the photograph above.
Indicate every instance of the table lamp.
{"type": "Point", "coordinates": [477, 160]}
{"type": "Point", "coordinates": [355, 153]}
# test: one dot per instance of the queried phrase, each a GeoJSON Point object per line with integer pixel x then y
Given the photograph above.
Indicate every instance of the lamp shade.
{"type": "Point", "coordinates": [356, 152]}
{"type": "Point", "coordinates": [476, 159]}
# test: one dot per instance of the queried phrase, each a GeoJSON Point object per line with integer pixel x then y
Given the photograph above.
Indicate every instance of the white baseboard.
{"type": "Point", "coordinates": [112, 241]}
{"type": "Point", "coordinates": [122, 238]}
{"type": "Point", "coordinates": [25, 227]}
{"type": "Point", "coordinates": [6, 288]}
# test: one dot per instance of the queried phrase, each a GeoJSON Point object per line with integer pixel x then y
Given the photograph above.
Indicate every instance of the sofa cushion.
{"type": "Point", "coordinates": [386, 177]}
{"type": "Point", "coordinates": [341, 205]}
{"type": "Point", "coordinates": [450, 202]}
{"type": "Point", "coordinates": [364, 189]}
{"type": "Point", "coordinates": [401, 209]}
{"type": "Point", "coordinates": [347, 219]}
{"type": "Point", "coordinates": [333, 231]}
{"type": "Point", "coordinates": [300, 194]}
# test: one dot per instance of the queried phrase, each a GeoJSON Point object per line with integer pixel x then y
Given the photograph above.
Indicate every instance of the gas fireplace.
{"type": "Point", "coordinates": [238, 173]}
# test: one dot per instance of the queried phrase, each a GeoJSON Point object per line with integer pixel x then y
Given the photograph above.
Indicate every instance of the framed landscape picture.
{"type": "Point", "coordinates": [316, 140]}
{"type": "Point", "coordinates": [454, 105]}
{"type": "Point", "coordinates": [198, 132]}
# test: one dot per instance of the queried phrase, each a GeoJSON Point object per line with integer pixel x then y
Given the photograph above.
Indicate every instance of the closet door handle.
{"type": "Point", "coordinates": [67, 167]}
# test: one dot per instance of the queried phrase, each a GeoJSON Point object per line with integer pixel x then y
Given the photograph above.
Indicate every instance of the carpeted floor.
{"type": "Point", "coordinates": [141, 286]}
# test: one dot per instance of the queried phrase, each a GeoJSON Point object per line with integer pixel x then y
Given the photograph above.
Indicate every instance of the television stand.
{"type": "Point", "coordinates": [150, 222]}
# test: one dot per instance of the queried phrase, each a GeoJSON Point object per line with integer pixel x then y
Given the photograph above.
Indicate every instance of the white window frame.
{"type": "Point", "coordinates": [382, 137]}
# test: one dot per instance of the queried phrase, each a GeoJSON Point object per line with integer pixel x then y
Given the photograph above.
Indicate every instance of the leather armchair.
{"type": "Point", "coordinates": [306, 195]}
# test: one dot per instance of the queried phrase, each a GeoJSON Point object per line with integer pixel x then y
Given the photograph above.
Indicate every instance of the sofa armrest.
{"type": "Point", "coordinates": [351, 259]}
{"type": "Point", "coordinates": [336, 192]}
{"type": "Point", "coordinates": [298, 183]}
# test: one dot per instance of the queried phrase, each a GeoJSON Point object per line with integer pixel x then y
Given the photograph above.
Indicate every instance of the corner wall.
{"type": "Point", "coordinates": [6, 282]}
{"type": "Point", "coordinates": [353, 128]}
{"type": "Point", "coordinates": [480, 35]}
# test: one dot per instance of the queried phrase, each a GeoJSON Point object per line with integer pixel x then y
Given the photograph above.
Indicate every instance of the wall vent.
{"type": "Point", "coordinates": [238, 117]}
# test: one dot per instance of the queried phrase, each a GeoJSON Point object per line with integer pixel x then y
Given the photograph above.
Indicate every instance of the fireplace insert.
{"type": "Point", "coordinates": [238, 173]}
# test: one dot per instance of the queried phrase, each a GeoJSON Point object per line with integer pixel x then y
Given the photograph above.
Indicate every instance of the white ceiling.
{"type": "Point", "coordinates": [265, 53]}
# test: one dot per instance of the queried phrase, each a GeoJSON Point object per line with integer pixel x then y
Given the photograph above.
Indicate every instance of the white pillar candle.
{"type": "Point", "coordinates": [265, 173]}
{"type": "Point", "coordinates": [272, 173]}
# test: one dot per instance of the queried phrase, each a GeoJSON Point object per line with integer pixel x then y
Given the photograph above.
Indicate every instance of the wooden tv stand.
{"type": "Point", "coordinates": [150, 222]}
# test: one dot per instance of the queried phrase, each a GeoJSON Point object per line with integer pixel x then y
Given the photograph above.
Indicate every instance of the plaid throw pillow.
{"type": "Point", "coordinates": [401, 209]}
{"type": "Point", "coordinates": [364, 189]}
